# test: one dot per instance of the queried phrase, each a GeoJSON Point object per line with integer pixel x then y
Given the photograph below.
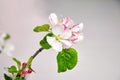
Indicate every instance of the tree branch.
{"type": "Point", "coordinates": [37, 52]}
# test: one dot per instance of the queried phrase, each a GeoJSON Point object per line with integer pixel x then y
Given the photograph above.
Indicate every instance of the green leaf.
{"type": "Point", "coordinates": [12, 69]}
{"type": "Point", "coordinates": [67, 59]}
{"type": "Point", "coordinates": [18, 62]}
{"type": "Point", "coordinates": [29, 61]}
{"type": "Point", "coordinates": [44, 42]}
{"type": "Point", "coordinates": [43, 28]}
{"type": "Point", "coordinates": [6, 77]}
{"type": "Point", "coordinates": [18, 78]}
{"type": "Point", "coordinates": [31, 68]}
{"type": "Point", "coordinates": [7, 37]}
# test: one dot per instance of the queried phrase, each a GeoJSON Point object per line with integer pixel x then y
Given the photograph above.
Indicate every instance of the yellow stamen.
{"type": "Point", "coordinates": [58, 37]}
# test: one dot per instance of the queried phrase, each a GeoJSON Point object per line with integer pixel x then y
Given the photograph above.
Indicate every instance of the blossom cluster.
{"type": "Point", "coordinates": [61, 35]}
{"type": "Point", "coordinates": [65, 32]}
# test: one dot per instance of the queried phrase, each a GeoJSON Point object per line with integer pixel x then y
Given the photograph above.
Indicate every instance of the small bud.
{"type": "Point", "coordinates": [24, 72]}
{"type": "Point", "coordinates": [29, 71]}
{"type": "Point", "coordinates": [24, 64]}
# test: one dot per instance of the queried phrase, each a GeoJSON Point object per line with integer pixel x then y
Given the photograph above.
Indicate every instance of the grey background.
{"type": "Point", "coordinates": [99, 53]}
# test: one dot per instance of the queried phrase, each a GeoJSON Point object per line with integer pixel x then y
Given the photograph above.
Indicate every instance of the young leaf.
{"type": "Point", "coordinates": [18, 62]}
{"type": "Point", "coordinates": [6, 77]}
{"type": "Point", "coordinates": [29, 61]}
{"type": "Point", "coordinates": [12, 69]}
{"type": "Point", "coordinates": [7, 37]}
{"type": "Point", "coordinates": [31, 68]}
{"type": "Point", "coordinates": [18, 78]}
{"type": "Point", "coordinates": [44, 42]}
{"type": "Point", "coordinates": [43, 28]}
{"type": "Point", "coordinates": [66, 59]}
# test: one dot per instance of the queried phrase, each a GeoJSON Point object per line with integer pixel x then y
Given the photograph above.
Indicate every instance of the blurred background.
{"type": "Point", "coordinates": [99, 53]}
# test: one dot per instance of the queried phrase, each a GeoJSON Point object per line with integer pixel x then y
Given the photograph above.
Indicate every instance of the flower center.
{"type": "Point", "coordinates": [58, 37]}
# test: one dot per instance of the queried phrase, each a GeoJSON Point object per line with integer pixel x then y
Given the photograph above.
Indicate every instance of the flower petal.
{"type": "Point", "coordinates": [57, 46]}
{"type": "Point", "coordinates": [66, 34]}
{"type": "Point", "coordinates": [2, 36]}
{"type": "Point", "coordinates": [77, 28]}
{"type": "Point", "coordinates": [8, 48]}
{"type": "Point", "coordinates": [66, 43]}
{"type": "Point", "coordinates": [67, 22]}
{"type": "Point", "coordinates": [58, 30]}
{"type": "Point", "coordinates": [81, 26]}
{"type": "Point", "coordinates": [77, 38]}
{"type": "Point", "coordinates": [53, 19]}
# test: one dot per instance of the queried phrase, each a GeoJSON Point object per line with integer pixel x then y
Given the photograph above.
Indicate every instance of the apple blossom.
{"type": "Point", "coordinates": [64, 31]}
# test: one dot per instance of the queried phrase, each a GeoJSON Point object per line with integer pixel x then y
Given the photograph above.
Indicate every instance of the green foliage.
{"type": "Point", "coordinates": [29, 61]}
{"type": "Point", "coordinates": [43, 28]}
{"type": "Point", "coordinates": [7, 37]}
{"type": "Point", "coordinates": [6, 77]}
{"type": "Point", "coordinates": [44, 42]}
{"type": "Point", "coordinates": [66, 59]}
{"type": "Point", "coordinates": [18, 62]}
{"type": "Point", "coordinates": [12, 69]}
{"type": "Point", "coordinates": [18, 78]}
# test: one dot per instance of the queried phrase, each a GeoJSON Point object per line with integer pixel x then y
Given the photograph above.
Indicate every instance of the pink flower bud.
{"type": "Point", "coordinates": [24, 72]}
{"type": "Point", "coordinates": [24, 64]}
{"type": "Point", "coordinates": [29, 71]}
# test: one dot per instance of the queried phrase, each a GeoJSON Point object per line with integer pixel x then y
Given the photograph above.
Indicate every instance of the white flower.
{"type": "Point", "coordinates": [64, 31]}
{"type": "Point", "coordinates": [60, 39]}
{"type": "Point", "coordinates": [5, 47]}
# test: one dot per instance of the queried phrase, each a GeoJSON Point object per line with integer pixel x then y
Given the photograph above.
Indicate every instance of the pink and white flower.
{"type": "Point", "coordinates": [64, 31]}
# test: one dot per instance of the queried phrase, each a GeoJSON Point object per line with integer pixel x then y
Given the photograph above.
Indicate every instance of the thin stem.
{"type": "Point", "coordinates": [37, 52]}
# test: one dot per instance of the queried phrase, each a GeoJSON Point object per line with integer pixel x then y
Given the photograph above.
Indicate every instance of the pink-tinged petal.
{"type": "Point", "coordinates": [77, 38]}
{"type": "Point", "coordinates": [53, 19]}
{"type": "Point", "coordinates": [74, 38]}
{"type": "Point", "coordinates": [66, 34]}
{"type": "Point", "coordinates": [56, 45]}
{"type": "Point", "coordinates": [67, 22]}
{"type": "Point", "coordinates": [66, 43]}
{"type": "Point", "coordinates": [77, 28]}
{"type": "Point", "coordinates": [58, 30]}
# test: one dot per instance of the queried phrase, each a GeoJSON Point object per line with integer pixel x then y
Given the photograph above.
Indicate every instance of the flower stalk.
{"type": "Point", "coordinates": [37, 52]}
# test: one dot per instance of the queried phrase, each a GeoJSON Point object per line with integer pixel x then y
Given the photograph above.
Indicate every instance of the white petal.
{"type": "Point", "coordinates": [66, 34]}
{"type": "Point", "coordinates": [50, 40]}
{"type": "Point", "coordinates": [66, 43]}
{"type": "Point", "coordinates": [58, 30]}
{"type": "Point", "coordinates": [81, 26]}
{"type": "Point", "coordinates": [57, 46]}
{"type": "Point", "coordinates": [2, 36]}
{"type": "Point", "coordinates": [53, 19]}
{"type": "Point", "coordinates": [8, 48]}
